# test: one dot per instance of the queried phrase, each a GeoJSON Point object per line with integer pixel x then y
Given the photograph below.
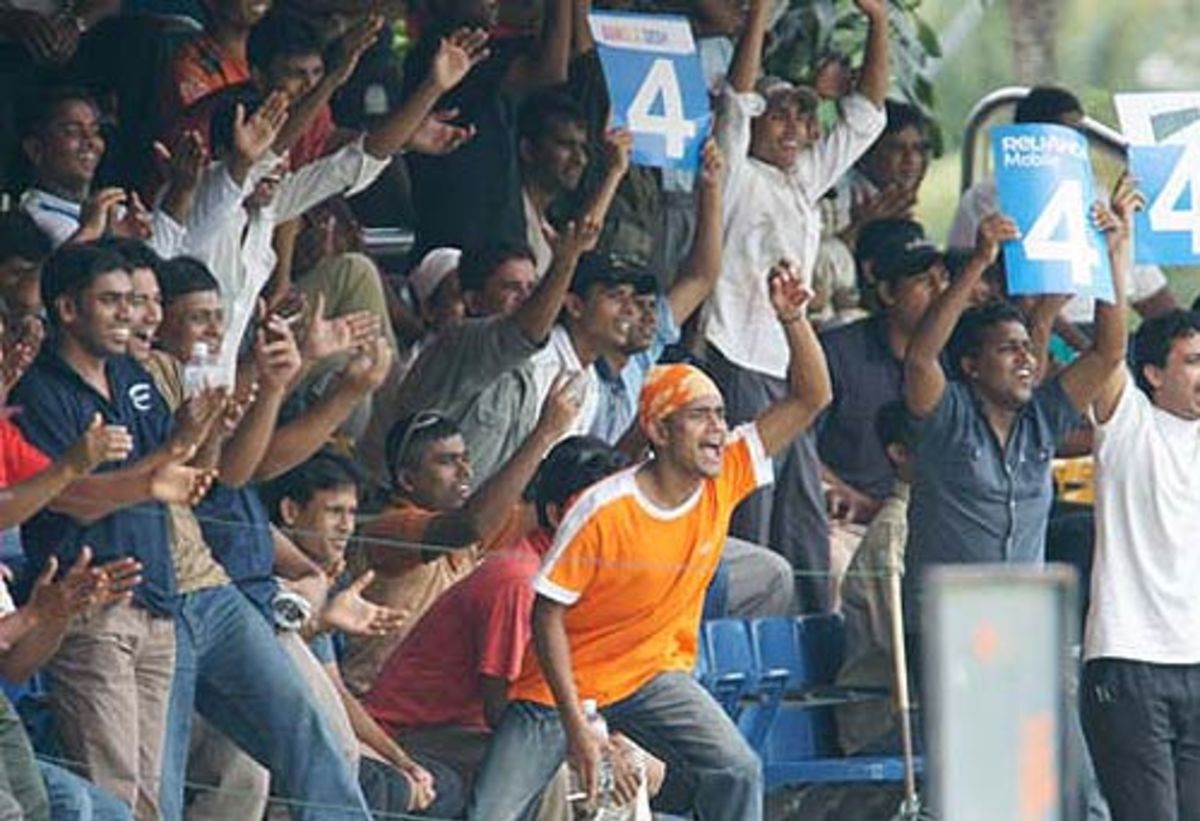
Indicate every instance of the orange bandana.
{"type": "Point", "coordinates": [669, 387]}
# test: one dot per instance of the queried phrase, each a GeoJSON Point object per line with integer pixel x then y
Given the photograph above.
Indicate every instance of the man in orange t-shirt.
{"type": "Point", "coordinates": [620, 595]}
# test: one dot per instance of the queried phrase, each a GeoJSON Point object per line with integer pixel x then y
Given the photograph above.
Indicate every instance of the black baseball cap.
{"type": "Point", "coordinates": [896, 248]}
{"type": "Point", "coordinates": [598, 268]}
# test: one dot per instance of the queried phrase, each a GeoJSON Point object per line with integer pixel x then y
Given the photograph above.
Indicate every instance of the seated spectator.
{"type": "Point", "coordinates": [480, 374]}
{"type": "Point", "coordinates": [871, 726]}
{"type": "Point", "coordinates": [866, 364]}
{"type": "Point", "coordinates": [611, 626]}
{"type": "Point", "coordinates": [973, 501]}
{"type": "Point", "coordinates": [23, 248]}
{"type": "Point", "coordinates": [1149, 293]}
{"type": "Point", "coordinates": [445, 687]}
{"type": "Point", "coordinates": [109, 702]}
{"type": "Point", "coordinates": [63, 143]}
{"type": "Point", "coordinates": [316, 504]}
{"type": "Point", "coordinates": [778, 169]}
{"type": "Point", "coordinates": [431, 473]}
{"type": "Point", "coordinates": [473, 196]}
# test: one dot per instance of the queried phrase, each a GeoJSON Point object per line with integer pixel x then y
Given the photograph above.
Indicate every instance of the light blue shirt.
{"type": "Point", "coordinates": [619, 392]}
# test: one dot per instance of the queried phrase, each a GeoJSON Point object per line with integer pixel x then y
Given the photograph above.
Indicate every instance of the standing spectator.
{"type": "Point", "coordinates": [433, 504]}
{"type": "Point", "coordinates": [778, 171]}
{"type": "Point", "coordinates": [612, 626]}
{"type": "Point", "coordinates": [866, 364]}
{"type": "Point", "coordinates": [445, 687]}
{"type": "Point", "coordinates": [1140, 697]}
{"type": "Point", "coordinates": [112, 674]}
{"type": "Point", "coordinates": [985, 440]}
{"type": "Point", "coordinates": [473, 196]}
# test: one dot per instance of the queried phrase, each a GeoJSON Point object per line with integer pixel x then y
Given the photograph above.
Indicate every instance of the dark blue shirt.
{"type": "Point", "coordinates": [866, 376]}
{"type": "Point", "coordinates": [974, 501]}
{"type": "Point", "coordinates": [238, 531]}
{"type": "Point", "coordinates": [57, 408]}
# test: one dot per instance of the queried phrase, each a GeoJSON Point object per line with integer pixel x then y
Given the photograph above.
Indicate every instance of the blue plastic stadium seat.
{"type": "Point", "coordinates": [730, 662]}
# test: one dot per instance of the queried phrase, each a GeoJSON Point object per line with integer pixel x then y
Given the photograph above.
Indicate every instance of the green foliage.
{"type": "Point", "coordinates": [811, 31]}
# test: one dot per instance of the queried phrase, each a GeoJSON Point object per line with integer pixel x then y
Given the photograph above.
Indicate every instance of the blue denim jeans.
{"type": "Point", "coordinates": [230, 668]}
{"type": "Point", "coordinates": [76, 799]}
{"type": "Point", "coordinates": [671, 716]}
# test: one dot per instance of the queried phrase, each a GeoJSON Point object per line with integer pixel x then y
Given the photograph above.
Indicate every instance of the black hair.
{"type": "Point", "coordinates": [1154, 338]}
{"type": "Point", "coordinates": [281, 34]}
{"type": "Point", "coordinates": [545, 109]}
{"type": "Point", "coordinates": [72, 269]}
{"type": "Point", "coordinates": [37, 110]}
{"type": "Point", "coordinates": [967, 339]}
{"type": "Point", "coordinates": [479, 263]}
{"type": "Point", "coordinates": [408, 438]}
{"type": "Point", "coordinates": [1046, 104]}
{"type": "Point", "coordinates": [893, 426]}
{"type": "Point", "coordinates": [902, 115]}
{"type": "Point", "coordinates": [20, 237]}
{"type": "Point", "coordinates": [181, 276]}
{"type": "Point", "coordinates": [221, 122]}
{"type": "Point", "coordinates": [136, 253]}
{"type": "Point", "coordinates": [575, 464]}
{"type": "Point", "coordinates": [325, 470]}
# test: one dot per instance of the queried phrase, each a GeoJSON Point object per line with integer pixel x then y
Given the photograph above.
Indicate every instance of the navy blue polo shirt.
{"type": "Point", "coordinates": [57, 407]}
{"type": "Point", "coordinates": [237, 530]}
{"type": "Point", "coordinates": [975, 500]}
{"type": "Point", "coordinates": [866, 376]}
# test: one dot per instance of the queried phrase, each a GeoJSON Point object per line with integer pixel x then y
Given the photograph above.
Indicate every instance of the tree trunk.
{"type": "Point", "coordinates": [1034, 26]}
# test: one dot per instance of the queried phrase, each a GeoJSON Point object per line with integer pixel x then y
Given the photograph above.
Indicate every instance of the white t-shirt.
{"type": "Point", "coordinates": [1146, 574]}
{"type": "Point", "coordinates": [559, 357]}
{"type": "Point", "coordinates": [980, 201]}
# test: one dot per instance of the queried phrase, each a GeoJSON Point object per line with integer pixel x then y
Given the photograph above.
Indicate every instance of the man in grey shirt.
{"type": "Point", "coordinates": [985, 440]}
{"type": "Point", "coordinates": [480, 373]}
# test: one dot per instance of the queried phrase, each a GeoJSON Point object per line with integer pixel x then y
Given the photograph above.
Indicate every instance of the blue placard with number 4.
{"type": "Point", "coordinates": [655, 84]}
{"type": "Point", "coordinates": [1167, 230]}
{"type": "Point", "coordinates": [1044, 183]}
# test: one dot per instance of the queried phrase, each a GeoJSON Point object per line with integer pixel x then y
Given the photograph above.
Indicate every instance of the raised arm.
{"type": "Point", "coordinates": [618, 143]}
{"type": "Point", "coordinates": [537, 315]}
{"type": "Point", "coordinates": [454, 59]}
{"type": "Point", "coordinates": [924, 379]}
{"type": "Point", "coordinates": [809, 387]}
{"type": "Point", "coordinates": [1099, 375]}
{"type": "Point", "coordinates": [547, 65]}
{"type": "Point", "coordinates": [489, 506]}
{"type": "Point", "coordinates": [747, 58]}
{"type": "Point", "coordinates": [875, 75]}
{"type": "Point", "coordinates": [700, 270]}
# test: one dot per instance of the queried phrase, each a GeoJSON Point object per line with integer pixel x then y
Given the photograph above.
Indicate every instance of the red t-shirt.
{"type": "Point", "coordinates": [19, 460]}
{"type": "Point", "coordinates": [480, 626]}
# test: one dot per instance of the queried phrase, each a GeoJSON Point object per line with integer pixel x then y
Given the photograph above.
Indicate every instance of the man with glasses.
{"type": "Point", "coordinates": [435, 530]}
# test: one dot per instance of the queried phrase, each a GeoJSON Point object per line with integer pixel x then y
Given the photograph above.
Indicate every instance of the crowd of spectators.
{"type": "Point", "coordinates": [299, 526]}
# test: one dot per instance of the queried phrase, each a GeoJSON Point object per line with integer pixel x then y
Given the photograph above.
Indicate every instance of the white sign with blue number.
{"type": "Point", "coordinates": [1164, 156]}
{"type": "Point", "coordinates": [656, 85]}
{"type": "Point", "coordinates": [1044, 183]}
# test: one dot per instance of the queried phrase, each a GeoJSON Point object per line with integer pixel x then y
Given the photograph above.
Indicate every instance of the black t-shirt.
{"type": "Point", "coordinates": [473, 195]}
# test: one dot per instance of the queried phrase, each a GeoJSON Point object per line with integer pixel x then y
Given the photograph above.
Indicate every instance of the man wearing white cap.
{"type": "Point", "coordinates": [779, 166]}
{"type": "Point", "coordinates": [437, 296]}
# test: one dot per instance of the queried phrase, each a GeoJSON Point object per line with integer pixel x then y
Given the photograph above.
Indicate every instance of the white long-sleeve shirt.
{"type": "Point", "coordinates": [236, 243]}
{"type": "Point", "coordinates": [772, 214]}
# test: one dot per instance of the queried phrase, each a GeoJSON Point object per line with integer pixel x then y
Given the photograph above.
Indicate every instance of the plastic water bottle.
{"type": "Point", "coordinates": [607, 808]}
{"type": "Point", "coordinates": [198, 371]}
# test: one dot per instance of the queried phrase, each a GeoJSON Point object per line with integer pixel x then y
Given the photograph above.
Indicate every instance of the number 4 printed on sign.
{"type": "Point", "coordinates": [674, 127]}
{"type": "Point", "coordinates": [1165, 213]}
{"type": "Point", "coordinates": [1060, 234]}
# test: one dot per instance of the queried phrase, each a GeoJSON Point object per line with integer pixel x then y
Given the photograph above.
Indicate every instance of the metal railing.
{"type": "Point", "coordinates": [996, 107]}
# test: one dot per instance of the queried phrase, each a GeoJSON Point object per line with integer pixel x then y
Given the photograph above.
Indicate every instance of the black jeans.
{"type": "Point", "coordinates": [1142, 723]}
